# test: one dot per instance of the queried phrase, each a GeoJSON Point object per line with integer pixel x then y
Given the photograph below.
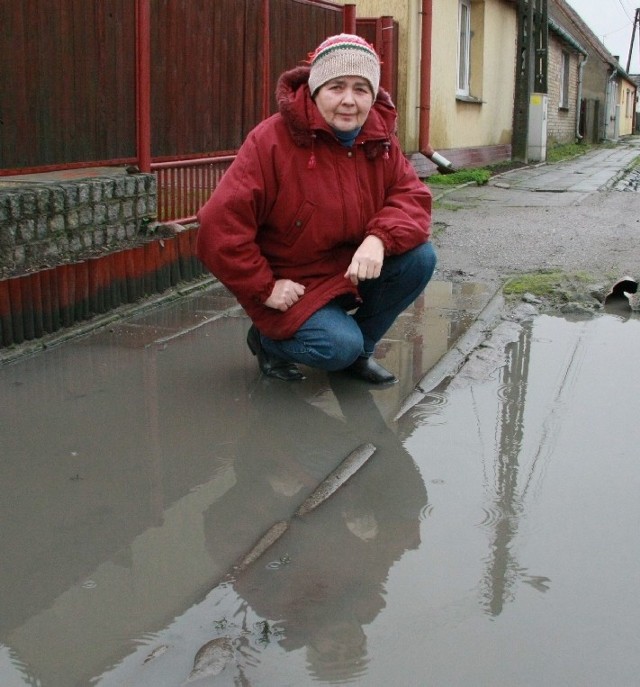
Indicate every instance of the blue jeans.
{"type": "Point", "coordinates": [331, 339]}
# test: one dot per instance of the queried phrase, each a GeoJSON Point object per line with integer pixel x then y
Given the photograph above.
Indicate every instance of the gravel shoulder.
{"type": "Point", "coordinates": [592, 235]}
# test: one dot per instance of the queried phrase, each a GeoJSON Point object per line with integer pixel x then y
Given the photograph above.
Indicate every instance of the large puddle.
{"type": "Point", "coordinates": [490, 539]}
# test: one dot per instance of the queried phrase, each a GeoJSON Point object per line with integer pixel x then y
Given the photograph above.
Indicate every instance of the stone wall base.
{"type": "Point", "coordinates": [44, 301]}
{"type": "Point", "coordinates": [46, 222]}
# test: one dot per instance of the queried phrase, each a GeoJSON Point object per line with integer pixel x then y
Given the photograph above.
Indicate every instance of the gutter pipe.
{"type": "Point", "coordinates": [579, 97]}
{"type": "Point", "coordinates": [349, 22]}
{"type": "Point", "coordinates": [607, 99]}
{"type": "Point", "coordinates": [444, 166]}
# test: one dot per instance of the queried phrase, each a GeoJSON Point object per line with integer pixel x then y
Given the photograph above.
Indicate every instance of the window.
{"type": "Point", "coordinates": [565, 63]}
{"type": "Point", "coordinates": [464, 45]}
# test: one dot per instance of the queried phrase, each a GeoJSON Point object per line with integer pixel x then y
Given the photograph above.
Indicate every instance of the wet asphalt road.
{"type": "Point", "coordinates": [144, 460]}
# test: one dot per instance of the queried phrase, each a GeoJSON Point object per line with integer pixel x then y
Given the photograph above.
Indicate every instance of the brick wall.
{"type": "Point", "coordinates": [561, 122]}
{"type": "Point", "coordinates": [46, 224]}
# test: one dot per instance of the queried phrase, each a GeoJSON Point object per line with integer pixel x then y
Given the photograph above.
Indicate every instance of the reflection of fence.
{"type": "Point", "coordinates": [185, 185]}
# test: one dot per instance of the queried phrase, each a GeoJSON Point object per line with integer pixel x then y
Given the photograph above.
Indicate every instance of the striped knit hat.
{"type": "Point", "coordinates": [344, 55]}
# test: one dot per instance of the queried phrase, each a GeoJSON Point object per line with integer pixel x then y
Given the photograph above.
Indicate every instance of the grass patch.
{"type": "Point", "coordinates": [505, 166]}
{"type": "Point", "coordinates": [545, 284]}
{"type": "Point", "coordinates": [566, 151]}
{"type": "Point", "coordinates": [438, 228]}
{"type": "Point", "coordinates": [479, 176]}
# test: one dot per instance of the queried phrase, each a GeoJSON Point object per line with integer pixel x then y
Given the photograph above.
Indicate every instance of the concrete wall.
{"type": "Point", "coordinates": [636, 80]}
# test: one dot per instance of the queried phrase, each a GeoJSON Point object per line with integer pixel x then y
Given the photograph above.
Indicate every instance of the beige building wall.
{"type": "Point", "coordinates": [488, 120]}
{"type": "Point", "coordinates": [627, 102]}
{"type": "Point", "coordinates": [407, 14]}
{"type": "Point", "coordinates": [454, 123]}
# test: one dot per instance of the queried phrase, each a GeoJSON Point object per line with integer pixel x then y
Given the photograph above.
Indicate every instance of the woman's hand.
{"type": "Point", "coordinates": [367, 261]}
{"type": "Point", "coordinates": [285, 293]}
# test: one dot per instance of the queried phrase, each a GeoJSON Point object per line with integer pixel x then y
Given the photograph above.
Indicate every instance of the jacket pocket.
{"type": "Point", "coordinates": [300, 220]}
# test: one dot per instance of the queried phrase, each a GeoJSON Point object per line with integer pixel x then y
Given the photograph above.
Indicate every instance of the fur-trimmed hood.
{"type": "Point", "coordinates": [303, 119]}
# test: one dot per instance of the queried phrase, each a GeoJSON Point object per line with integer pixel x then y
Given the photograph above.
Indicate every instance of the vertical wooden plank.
{"type": "Point", "coordinates": [67, 66]}
{"type": "Point", "coordinates": [290, 46]}
{"type": "Point", "coordinates": [13, 52]}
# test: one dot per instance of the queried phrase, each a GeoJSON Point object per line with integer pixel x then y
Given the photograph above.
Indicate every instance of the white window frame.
{"type": "Point", "coordinates": [464, 47]}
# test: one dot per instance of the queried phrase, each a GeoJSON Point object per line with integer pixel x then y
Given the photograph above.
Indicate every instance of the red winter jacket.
{"type": "Point", "coordinates": [296, 204]}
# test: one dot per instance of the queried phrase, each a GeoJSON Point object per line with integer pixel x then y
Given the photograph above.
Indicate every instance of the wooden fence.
{"type": "Point", "coordinates": [68, 75]}
{"type": "Point", "coordinates": [67, 79]}
{"type": "Point", "coordinates": [71, 82]}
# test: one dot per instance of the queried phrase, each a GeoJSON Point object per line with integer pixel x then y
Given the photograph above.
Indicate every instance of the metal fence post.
{"type": "Point", "coordinates": [143, 84]}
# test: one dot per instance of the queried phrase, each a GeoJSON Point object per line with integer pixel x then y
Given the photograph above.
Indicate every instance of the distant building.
{"type": "Point", "coordinates": [607, 93]}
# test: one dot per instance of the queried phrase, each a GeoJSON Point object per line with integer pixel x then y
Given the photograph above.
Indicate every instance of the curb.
{"type": "Point", "coordinates": [458, 354]}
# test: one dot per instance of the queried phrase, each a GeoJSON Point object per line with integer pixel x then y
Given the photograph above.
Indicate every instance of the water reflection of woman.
{"type": "Point", "coordinates": [337, 558]}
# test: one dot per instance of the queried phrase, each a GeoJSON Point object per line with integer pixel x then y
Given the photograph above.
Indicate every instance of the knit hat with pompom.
{"type": "Point", "coordinates": [344, 55]}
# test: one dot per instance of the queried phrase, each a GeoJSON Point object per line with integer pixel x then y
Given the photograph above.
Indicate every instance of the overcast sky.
{"type": "Point", "coordinates": [612, 22]}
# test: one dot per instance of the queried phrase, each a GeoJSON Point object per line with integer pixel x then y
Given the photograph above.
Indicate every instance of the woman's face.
{"type": "Point", "coordinates": [345, 102]}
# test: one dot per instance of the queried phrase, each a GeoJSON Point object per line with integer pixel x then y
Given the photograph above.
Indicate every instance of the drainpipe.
{"type": "Point", "coordinates": [425, 74]}
{"type": "Point", "coordinates": [388, 57]}
{"type": "Point", "coordinates": [579, 98]}
{"type": "Point", "coordinates": [266, 60]}
{"type": "Point", "coordinates": [349, 18]}
{"type": "Point", "coordinates": [444, 166]}
{"type": "Point", "coordinates": [607, 98]}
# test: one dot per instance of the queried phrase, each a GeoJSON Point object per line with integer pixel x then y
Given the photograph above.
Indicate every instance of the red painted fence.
{"type": "Point", "coordinates": [39, 303]}
{"type": "Point", "coordinates": [152, 82]}
{"type": "Point", "coordinates": [95, 81]}
{"type": "Point", "coordinates": [185, 185]}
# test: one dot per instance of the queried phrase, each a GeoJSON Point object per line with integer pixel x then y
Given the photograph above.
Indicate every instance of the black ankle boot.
{"type": "Point", "coordinates": [270, 365]}
{"type": "Point", "coordinates": [370, 371]}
